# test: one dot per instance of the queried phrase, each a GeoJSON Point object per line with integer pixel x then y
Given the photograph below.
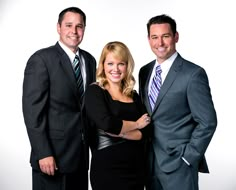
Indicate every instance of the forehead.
{"type": "Point", "coordinates": [111, 56]}
{"type": "Point", "coordinates": [165, 27]}
{"type": "Point", "coordinates": [73, 17]}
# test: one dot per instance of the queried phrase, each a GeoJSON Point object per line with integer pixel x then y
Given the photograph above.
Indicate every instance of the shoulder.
{"type": "Point", "coordinates": [94, 88]}
{"type": "Point", "coordinates": [137, 100]}
{"type": "Point", "coordinates": [146, 68]}
{"type": "Point", "coordinates": [54, 49]}
{"type": "Point", "coordinates": [148, 65]}
{"type": "Point", "coordinates": [86, 55]}
{"type": "Point", "coordinates": [187, 64]}
{"type": "Point", "coordinates": [94, 93]}
{"type": "Point", "coordinates": [189, 68]}
{"type": "Point", "coordinates": [136, 95]}
{"type": "Point", "coordinates": [50, 53]}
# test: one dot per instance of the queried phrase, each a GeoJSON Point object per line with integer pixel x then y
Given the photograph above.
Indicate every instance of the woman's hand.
{"type": "Point", "coordinates": [143, 121]}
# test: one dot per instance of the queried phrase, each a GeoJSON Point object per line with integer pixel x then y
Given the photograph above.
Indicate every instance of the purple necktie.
{"type": "Point", "coordinates": [155, 86]}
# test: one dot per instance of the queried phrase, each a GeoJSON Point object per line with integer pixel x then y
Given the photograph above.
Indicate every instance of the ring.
{"type": "Point", "coordinates": [147, 120]}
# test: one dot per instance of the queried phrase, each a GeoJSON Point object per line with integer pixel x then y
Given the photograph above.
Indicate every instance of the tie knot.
{"type": "Point", "coordinates": [158, 69]}
{"type": "Point", "coordinates": [76, 62]}
{"type": "Point", "coordinates": [76, 58]}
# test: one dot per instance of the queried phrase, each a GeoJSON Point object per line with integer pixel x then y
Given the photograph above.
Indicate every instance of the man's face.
{"type": "Point", "coordinates": [71, 30]}
{"type": "Point", "coordinates": [162, 41]}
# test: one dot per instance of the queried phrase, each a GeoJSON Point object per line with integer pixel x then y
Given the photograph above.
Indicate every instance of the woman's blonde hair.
{"type": "Point", "coordinates": [119, 51]}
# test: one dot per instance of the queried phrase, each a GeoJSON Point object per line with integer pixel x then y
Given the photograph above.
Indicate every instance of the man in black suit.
{"type": "Point", "coordinates": [183, 115]}
{"type": "Point", "coordinates": [52, 105]}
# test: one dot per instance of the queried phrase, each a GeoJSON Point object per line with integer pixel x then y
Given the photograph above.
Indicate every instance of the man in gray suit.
{"type": "Point", "coordinates": [52, 107]}
{"type": "Point", "coordinates": [183, 115]}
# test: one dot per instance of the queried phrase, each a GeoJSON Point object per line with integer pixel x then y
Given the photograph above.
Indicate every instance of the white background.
{"type": "Point", "coordinates": [207, 37]}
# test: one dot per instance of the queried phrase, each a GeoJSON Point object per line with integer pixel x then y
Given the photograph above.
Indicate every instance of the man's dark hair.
{"type": "Point", "coordinates": [74, 10]}
{"type": "Point", "coordinates": [162, 19]}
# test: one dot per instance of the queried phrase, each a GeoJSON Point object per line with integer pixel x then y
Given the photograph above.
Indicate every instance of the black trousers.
{"type": "Point", "coordinates": [72, 181]}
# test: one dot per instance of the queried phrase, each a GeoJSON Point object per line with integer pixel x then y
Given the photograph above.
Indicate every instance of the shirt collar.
{"type": "Point", "coordinates": [165, 66]}
{"type": "Point", "coordinates": [70, 53]}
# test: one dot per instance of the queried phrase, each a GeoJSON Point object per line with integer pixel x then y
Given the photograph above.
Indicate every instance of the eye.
{"type": "Point", "coordinates": [122, 64]}
{"type": "Point", "coordinates": [68, 25]}
{"type": "Point", "coordinates": [166, 36]}
{"type": "Point", "coordinates": [110, 63]}
{"type": "Point", "coordinates": [80, 26]}
{"type": "Point", "coordinates": [153, 37]}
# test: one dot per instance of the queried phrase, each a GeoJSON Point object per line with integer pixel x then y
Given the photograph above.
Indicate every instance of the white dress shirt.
{"type": "Point", "coordinates": [71, 56]}
{"type": "Point", "coordinates": [165, 67]}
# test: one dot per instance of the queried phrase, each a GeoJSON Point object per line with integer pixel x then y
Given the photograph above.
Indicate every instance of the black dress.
{"type": "Point", "coordinates": [121, 164]}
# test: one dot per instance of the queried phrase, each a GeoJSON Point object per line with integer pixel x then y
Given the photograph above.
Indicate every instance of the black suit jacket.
{"type": "Point", "coordinates": [184, 117]}
{"type": "Point", "coordinates": [52, 108]}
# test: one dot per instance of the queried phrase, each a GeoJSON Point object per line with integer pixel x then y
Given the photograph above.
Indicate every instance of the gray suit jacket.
{"type": "Point", "coordinates": [184, 117]}
{"type": "Point", "coordinates": [52, 108]}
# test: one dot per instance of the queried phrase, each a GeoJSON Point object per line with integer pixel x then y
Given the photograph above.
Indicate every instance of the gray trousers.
{"type": "Point", "coordinates": [184, 178]}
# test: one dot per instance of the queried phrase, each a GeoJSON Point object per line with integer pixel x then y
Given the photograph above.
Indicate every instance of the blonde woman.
{"type": "Point", "coordinates": [118, 123]}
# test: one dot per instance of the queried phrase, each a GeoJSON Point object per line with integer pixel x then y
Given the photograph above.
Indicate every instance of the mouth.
{"type": "Point", "coordinates": [116, 74]}
{"type": "Point", "coordinates": [161, 49]}
{"type": "Point", "coordinates": [73, 37]}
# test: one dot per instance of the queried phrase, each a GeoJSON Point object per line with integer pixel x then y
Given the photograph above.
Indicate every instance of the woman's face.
{"type": "Point", "coordinates": [115, 69]}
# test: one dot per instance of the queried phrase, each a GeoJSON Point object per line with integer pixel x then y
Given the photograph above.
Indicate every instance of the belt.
{"type": "Point", "coordinates": [105, 140]}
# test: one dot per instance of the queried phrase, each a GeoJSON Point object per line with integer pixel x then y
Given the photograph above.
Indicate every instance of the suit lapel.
{"type": "Point", "coordinates": [88, 74]}
{"type": "Point", "coordinates": [68, 70]}
{"type": "Point", "coordinates": [146, 78]}
{"type": "Point", "coordinates": [170, 78]}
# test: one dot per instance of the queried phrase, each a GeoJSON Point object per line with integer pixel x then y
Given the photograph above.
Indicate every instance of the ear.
{"type": "Point", "coordinates": [148, 37]}
{"type": "Point", "coordinates": [58, 28]}
{"type": "Point", "coordinates": [176, 37]}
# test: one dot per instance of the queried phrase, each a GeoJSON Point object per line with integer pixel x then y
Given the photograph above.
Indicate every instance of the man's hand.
{"type": "Point", "coordinates": [48, 165]}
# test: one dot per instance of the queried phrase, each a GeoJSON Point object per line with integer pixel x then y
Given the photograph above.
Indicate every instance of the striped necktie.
{"type": "Point", "coordinates": [78, 75]}
{"type": "Point", "coordinates": [155, 86]}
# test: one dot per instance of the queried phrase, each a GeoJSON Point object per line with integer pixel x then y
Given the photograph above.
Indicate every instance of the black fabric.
{"type": "Point", "coordinates": [120, 166]}
{"type": "Point", "coordinates": [71, 181]}
{"type": "Point", "coordinates": [105, 140]}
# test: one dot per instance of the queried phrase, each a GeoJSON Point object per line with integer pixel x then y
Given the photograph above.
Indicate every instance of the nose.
{"type": "Point", "coordinates": [74, 30]}
{"type": "Point", "coordinates": [160, 41]}
{"type": "Point", "coordinates": [116, 67]}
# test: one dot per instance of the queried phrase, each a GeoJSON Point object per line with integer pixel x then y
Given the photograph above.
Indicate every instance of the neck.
{"type": "Point", "coordinates": [116, 93]}
{"type": "Point", "coordinates": [113, 87]}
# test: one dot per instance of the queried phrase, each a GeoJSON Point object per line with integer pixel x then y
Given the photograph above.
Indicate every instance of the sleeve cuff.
{"type": "Point", "coordinates": [185, 161]}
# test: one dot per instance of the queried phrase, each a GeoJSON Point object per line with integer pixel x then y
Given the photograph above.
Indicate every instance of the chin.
{"type": "Point", "coordinates": [116, 81]}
